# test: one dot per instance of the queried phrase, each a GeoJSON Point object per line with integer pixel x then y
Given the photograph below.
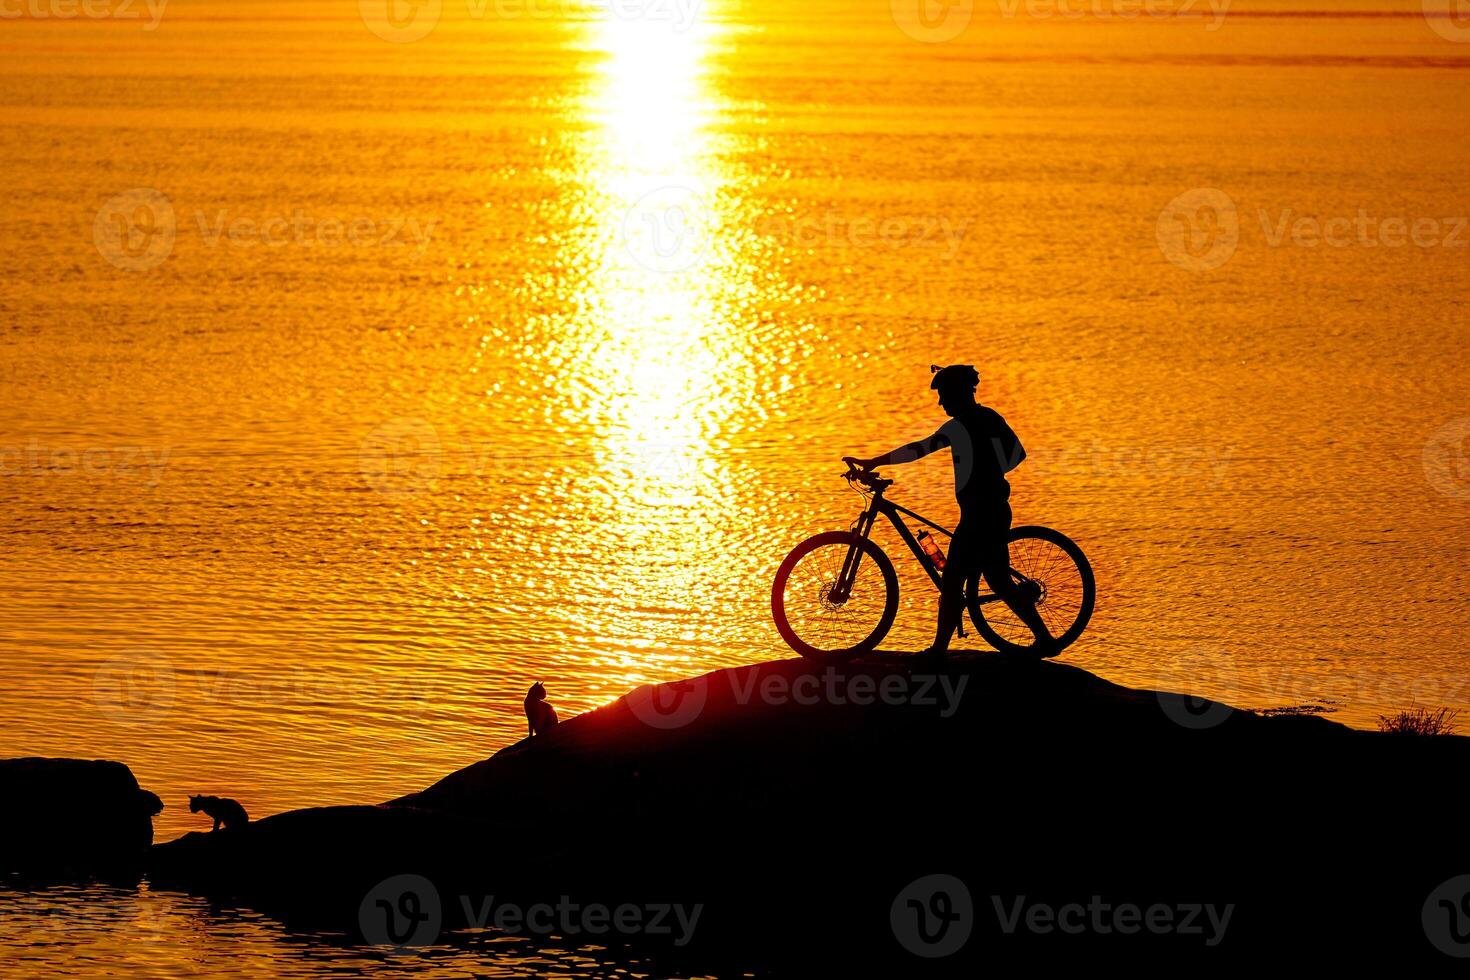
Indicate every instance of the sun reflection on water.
{"type": "Point", "coordinates": [654, 339]}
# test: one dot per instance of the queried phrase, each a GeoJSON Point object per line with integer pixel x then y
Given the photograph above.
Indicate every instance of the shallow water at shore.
{"type": "Point", "coordinates": [107, 930]}
{"type": "Point", "coordinates": [429, 396]}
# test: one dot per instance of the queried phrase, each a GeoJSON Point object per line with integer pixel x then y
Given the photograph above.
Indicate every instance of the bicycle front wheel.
{"type": "Point", "coordinates": [819, 620]}
{"type": "Point", "coordinates": [1051, 571]}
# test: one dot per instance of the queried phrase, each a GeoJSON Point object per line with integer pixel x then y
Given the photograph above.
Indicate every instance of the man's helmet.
{"type": "Point", "coordinates": [956, 377]}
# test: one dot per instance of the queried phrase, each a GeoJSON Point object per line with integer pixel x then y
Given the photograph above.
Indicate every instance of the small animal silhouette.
{"type": "Point", "coordinates": [227, 812]}
{"type": "Point", "coordinates": [540, 715]}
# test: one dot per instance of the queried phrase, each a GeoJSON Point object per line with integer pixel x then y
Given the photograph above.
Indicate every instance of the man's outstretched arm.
{"type": "Point", "coordinates": [905, 453]}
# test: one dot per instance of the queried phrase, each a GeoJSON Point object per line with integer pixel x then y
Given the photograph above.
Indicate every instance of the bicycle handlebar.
{"type": "Point", "coordinates": [868, 478]}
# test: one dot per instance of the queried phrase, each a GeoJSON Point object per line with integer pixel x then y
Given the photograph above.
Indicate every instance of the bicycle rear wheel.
{"type": "Point", "coordinates": [1053, 572]}
{"type": "Point", "coordinates": [820, 626]}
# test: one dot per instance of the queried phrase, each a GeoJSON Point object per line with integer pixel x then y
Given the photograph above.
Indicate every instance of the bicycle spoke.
{"type": "Point", "coordinates": [1044, 565]}
{"type": "Point", "coordinates": [813, 615]}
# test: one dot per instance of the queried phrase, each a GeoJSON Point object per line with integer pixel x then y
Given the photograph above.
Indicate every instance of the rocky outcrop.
{"type": "Point", "coordinates": [324, 859]}
{"type": "Point", "coordinates": [69, 817]}
{"type": "Point", "coordinates": [797, 806]}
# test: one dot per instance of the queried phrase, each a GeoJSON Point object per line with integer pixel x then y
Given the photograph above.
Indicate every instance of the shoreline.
{"type": "Point", "coordinates": [821, 796]}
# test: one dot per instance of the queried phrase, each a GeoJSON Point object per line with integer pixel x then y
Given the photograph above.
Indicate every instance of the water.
{"type": "Point", "coordinates": [525, 351]}
{"type": "Point", "coordinates": [109, 931]}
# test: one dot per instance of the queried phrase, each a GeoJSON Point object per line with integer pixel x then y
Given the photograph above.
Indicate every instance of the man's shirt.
{"type": "Point", "coordinates": [984, 449]}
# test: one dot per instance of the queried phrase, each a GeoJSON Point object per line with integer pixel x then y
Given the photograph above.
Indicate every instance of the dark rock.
{"type": "Point", "coordinates": [303, 863]}
{"type": "Point", "coordinates": [69, 817]}
{"type": "Point", "coordinates": [796, 818]}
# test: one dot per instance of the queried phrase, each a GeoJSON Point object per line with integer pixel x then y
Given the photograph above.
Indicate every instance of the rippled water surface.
{"type": "Point", "coordinates": [351, 384]}
{"type": "Point", "coordinates": [108, 931]}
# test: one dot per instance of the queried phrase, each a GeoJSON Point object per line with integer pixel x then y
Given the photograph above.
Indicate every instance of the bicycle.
{"type": "Point", "coordinates": [827, 610]}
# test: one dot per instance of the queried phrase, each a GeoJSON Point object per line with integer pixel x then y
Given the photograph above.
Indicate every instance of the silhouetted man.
{"type": "Point", "coordinates": [984, 450]}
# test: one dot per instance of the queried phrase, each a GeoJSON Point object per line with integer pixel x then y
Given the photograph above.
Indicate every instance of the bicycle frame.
{"type": "Point", "coordinates": [863, 528]}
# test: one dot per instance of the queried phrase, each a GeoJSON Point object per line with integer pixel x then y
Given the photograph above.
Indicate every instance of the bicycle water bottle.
{"type": "Point", "coordinates": [932, 549]}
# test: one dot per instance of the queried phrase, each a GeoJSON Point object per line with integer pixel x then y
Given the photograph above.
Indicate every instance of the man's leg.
{"type": "Point", "coordinates": [951, 600]}
{"type": "Point", "coordinates": [995, 565]}
{"type": "Point", "coordinates": [959, 564]}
